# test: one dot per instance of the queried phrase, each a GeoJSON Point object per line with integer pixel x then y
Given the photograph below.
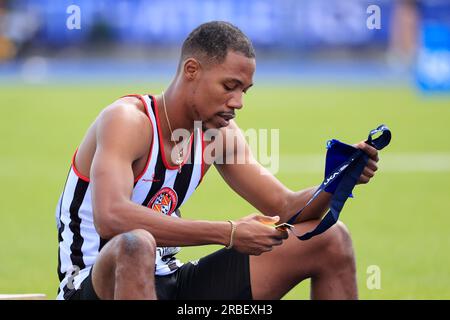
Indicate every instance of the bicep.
{"type": "Point", "coordinates": [119, 144]}
{"type": "Point", "coordinates": [112, 176]}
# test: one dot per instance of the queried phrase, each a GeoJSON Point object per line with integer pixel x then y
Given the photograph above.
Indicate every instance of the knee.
{"type": "Point", "coordinates": [136, 245]}
{"type": "Point", "coordinates": [338, 246]}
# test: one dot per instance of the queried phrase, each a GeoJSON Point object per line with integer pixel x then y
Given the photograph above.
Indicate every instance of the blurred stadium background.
{"type": "Point", "coordinates": [325, 69]}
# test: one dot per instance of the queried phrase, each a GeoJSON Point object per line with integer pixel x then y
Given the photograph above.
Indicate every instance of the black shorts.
{"type": "Point", "coordinates": [222, 275]}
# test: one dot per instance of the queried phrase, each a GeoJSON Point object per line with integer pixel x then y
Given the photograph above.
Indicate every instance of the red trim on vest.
{"type": "Point", "coordinates": [161, 145]}
{"type": "Point", "coordinates": [82, 177]}
{"type": "Point", "coordinates": [149, 157]}
{"type": "Point", "coordinates": [78, 173]}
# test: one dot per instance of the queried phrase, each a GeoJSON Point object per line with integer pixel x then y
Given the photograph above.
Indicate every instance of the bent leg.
{"type": "Point", "coordinates": [125, 267]}
{"type": "Point", "coordinates": [327, 259]}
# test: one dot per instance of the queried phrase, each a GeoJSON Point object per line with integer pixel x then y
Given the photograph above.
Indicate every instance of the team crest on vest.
{"type": "Point", "coordinates": [164, 201]}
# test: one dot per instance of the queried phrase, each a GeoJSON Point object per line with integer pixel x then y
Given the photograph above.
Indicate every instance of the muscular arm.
{"type": "Point", "coordinates": [120, 142]}
{"type": "Point", "coordinates": [260, 188]}
{"type": "Point", "coordinates": [266, 193]}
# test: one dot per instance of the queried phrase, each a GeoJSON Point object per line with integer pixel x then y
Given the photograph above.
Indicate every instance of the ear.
{"type": "Point", "coordinates": [191, 68]}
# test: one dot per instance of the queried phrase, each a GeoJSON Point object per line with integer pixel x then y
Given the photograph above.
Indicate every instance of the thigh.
{"type": "Point", "coordinates": [222, 275]}
{"type": "Point", "coordinates": [276, 272]}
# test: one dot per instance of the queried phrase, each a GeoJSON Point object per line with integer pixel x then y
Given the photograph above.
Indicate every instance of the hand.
{"type": "Point", "coordinates": [369, 170]}
{"type": "Point", "coordinates": [255, 234]}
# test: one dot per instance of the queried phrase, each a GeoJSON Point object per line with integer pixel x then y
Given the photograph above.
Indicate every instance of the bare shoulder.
{"type": "Point", "coordinates": [229, 132]}
{"type": "Point", "coordinates": [231, 126]}
{"type": "Point", "coordinates": [228, 144]}
{"type": "Point", "coordinates": [125, 124]}
{"type": "Point", "coordinates": [126, 110]}
{"type": "Point", "coordinates": [233, 133]}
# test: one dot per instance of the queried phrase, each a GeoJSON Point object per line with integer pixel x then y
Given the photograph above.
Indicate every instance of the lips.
{"type": "Point", "coordinates": [226, 116]}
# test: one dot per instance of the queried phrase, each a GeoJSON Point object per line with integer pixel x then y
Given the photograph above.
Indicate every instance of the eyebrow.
{"type": "Point", "coordinates": [239, 82]}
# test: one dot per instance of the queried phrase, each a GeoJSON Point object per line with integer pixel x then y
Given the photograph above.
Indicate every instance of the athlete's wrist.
{"type": "Point", "coordinates": [222, 232]}
{"type": "Point", "coordinates": [232, 233]}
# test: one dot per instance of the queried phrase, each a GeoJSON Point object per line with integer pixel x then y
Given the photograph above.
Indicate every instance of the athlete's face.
{"type": "Point", "coordinates": [218, 89]}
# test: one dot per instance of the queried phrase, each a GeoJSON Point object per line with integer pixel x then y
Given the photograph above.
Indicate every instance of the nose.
{"type": "Point", "coordinates": [236, 101]}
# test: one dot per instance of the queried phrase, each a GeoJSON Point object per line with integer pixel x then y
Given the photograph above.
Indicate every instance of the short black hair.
{"type": "Point", "coordinates": [213, 40]}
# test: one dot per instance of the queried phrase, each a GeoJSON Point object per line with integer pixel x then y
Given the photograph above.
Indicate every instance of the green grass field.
{"type": "Point", "coordinates": [399, 222]}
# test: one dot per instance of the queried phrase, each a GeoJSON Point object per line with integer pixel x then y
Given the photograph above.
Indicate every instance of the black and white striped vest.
{"type": "Point", "coordinates": [160, 187]}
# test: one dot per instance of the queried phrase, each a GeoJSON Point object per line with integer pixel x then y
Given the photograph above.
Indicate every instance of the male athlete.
{"type": "Point", "coordinates": [119, 223]}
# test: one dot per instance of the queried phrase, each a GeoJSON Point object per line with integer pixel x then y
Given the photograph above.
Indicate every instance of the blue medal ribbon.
{"type": "Point", "coordinates": [342, 178]}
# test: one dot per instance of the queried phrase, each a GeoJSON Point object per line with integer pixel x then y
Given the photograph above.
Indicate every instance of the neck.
{"type": "Point", "coordinates": [177, 111]}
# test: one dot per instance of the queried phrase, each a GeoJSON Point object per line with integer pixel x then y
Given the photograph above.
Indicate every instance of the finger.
{"type": "Point", "coordinates": [371, 151]}
{"type": "Point", "coordinates": [282, 234]}
{"type": "Point", "coordinates": [363, 179]}
{"type": "Point", "coordinates": [372, 165]}
{"type": "Point", "coordinates": [267, 219]}
{"type": "Point", "coordinates": [280, 237]}
{"type": "Point", "coordinates": [277, 242]}
{"type": "Point", "coordinates": [265, 249]}
{"type": "Point", "coordinates": [368, 172]}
